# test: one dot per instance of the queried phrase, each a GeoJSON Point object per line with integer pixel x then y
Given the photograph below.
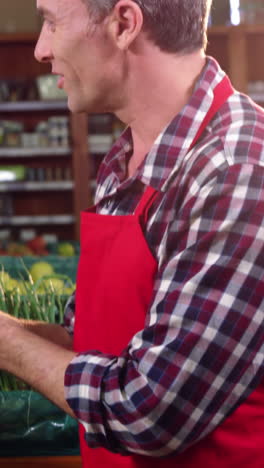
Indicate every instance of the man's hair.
{"type": "Point", "coordinates": [173, 25]}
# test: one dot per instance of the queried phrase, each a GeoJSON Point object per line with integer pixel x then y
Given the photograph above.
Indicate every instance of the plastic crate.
{"type": "Point", "coordinates": [33, 426]}
{"type": "Point", "coordinates": [52, 247]}
{"type": "Point", "coordinates": [17, 266]}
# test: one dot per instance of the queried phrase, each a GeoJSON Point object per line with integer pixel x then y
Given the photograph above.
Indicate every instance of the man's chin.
{"type": "Point", "coordinates": [76, 106]}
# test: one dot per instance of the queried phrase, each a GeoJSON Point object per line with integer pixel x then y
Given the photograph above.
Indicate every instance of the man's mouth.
{"type": "Point", "coordinates": [60, 82]}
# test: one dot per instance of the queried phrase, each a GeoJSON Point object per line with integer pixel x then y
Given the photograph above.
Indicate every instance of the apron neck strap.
{"type": "Point", "coordinates": [145, 203]}
{"type": "Point", "coordinates": [222, 91]}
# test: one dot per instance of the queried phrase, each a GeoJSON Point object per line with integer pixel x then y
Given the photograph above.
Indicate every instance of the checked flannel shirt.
{"type": "Point", "coordinates": [202, 350]}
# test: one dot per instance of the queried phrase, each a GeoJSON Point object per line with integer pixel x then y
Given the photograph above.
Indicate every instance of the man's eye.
{"type": "Point", "coordinates": [50, 25]}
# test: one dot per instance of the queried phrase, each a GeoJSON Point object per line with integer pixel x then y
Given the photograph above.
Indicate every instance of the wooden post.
{"type": "Point", "coordinates": [81, 167]}
{"type": "Point", "coordinates": [237, 51]}
{"type": "Point", "coordinates": [41, 462]}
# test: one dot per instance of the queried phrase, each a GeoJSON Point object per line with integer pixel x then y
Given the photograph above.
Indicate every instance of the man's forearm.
{"type": "Point", "coordinates": [50, 331]}
{"type": "Point", "coordinates": [38, 361]}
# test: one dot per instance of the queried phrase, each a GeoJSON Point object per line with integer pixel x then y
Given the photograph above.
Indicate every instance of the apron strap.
{"type": "Point", "coordinates": [145, 203]}
{"type": "Point", "coordinates": [222, 91]}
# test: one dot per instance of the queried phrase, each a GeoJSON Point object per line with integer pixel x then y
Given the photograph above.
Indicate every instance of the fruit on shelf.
{"type": "Point", "coordinates": [65, 249]}
{"type": "Point", "coordinates": [38, 246]}
{"type": "Point", "coordinates": [16, 249]}
{"type": "Point", "coordinates": [41, 279]}
{"type": "Point", "coordinates": [40, 269]}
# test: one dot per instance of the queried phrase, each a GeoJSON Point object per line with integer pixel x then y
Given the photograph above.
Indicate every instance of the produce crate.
{"type": "Point", "coordinates": [17, 266]}
{"type": "Point", "coordinates": [30, 425]}
{"type": "Point", "coordinates": [33, 426]}
{"type": "Point", "coordinates": [53, 247]}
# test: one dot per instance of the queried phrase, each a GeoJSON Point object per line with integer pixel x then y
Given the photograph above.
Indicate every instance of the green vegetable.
{"type": "Point", "coordinates": [43, 300]}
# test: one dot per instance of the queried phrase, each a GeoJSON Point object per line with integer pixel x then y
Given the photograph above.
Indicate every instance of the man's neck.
{"type": "Point", "coordinates": [167, 86]}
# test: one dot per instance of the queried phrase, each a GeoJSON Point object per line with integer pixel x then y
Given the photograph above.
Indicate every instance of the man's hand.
{"type": "Point", "coordinates": [37, 360]}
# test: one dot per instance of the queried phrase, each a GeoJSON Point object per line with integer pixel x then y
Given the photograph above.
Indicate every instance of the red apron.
{"type": "Point", "coordinates": [114, 287]}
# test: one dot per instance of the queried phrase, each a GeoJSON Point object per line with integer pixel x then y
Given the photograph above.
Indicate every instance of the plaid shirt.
{"type": "Point", "coordinates": [201, 352]}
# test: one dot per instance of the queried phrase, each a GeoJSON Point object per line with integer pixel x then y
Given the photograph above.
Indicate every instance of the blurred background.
{"type": "Point", "coordinates": [21, 16]}
{"type": "Point", "coordinates": [49, 158]}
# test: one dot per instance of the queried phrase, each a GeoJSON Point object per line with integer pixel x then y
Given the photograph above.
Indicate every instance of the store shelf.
{"type": "Point", "coordinates": [218, 30]}
{"type": "Point", "coordinates": [71, 165]}
{"type": "Point", "coordinates": [99, 149]}
{"type": "Point", "coordinates": [23, 186]}
{"type": "Point", "coordinates": [235, 47]}
{"type": "Point", "coordinates": [33, 152]}
{"type": "Point", "coordinates": [42, 462]}
{"type": "Point", "coordinates": [252, 28]}
{"type": "Point", "coordinates": [257, 97]}
{"type": "Point", "coordinates": [36, 220]}
{"type": "Point", "coordinates": [244, 28]}
{"type": "Point", "coordinates": [25, 37]}
{"type": "Point", "coordinates": [33, 106]}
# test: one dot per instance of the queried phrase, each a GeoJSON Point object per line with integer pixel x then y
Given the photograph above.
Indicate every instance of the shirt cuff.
{"type": "Point", "coordinates": [84, 379]}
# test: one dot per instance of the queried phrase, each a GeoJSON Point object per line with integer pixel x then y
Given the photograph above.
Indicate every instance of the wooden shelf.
{"type": "Point", "coordinates": [16, 50]}
{"type": "Point", "coordinates": [100, 144]}
{"type": "Point", "coordinates": [258, 97]}
{"type": "Point", "coordinates": [218, 30]}
{"type": "Point", "coordinates": [18, 37]}
{"type": "Point", "coordinates": [36, 220]}
{"type": "Point", "coordinates": [238, 50]}
{"type": "Point", "coordinates": [251, 28]}
{"type": "Point", "coordinates": [244, 28]}
{"type": "Point", "coordinates": [28, 186]}
{"type": "Point", "coordinates": [34, 106]}
{"type": "Point", "coordinates": [41, 462]}
{"type": "Point", "coordinates": [33, 152]}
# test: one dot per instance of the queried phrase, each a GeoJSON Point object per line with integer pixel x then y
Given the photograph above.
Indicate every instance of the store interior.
{"type": "Point", "coordinates": [49, 157]}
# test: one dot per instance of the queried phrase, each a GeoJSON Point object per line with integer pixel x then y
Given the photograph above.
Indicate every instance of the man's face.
{"type": "Point", "coordinates": [80, 52]}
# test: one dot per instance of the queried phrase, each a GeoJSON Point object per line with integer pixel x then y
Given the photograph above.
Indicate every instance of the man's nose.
{"type": "Point", "coordinates": [43, 48]}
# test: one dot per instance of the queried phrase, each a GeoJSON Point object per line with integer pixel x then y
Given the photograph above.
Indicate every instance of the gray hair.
{"type": "Point", "coordinates": [173, 25]}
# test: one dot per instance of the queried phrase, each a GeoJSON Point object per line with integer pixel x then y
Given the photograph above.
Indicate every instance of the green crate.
{"type": "Point", "coordinates": [17, 266]}
{"type": "Point", "coordinates": [33, 426]}
{"type": "Point", "coordinates": [52, 247]}
{"type": "Point", "coordinates": [30, 424]}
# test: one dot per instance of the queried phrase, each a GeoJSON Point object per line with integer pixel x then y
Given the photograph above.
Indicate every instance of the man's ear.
{"type": "Point", "coordinates": [125, 23]}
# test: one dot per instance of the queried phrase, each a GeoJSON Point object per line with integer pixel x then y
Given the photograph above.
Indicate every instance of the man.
{"type": "Point", "coordinates": [166, 364]}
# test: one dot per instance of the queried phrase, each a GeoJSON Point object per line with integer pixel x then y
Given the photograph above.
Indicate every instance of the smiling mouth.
{"type": "Point", "coordinates": [60, 82]}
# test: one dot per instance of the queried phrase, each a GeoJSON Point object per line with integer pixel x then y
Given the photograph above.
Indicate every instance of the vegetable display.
{"type": "Point", "coordinates": [39, 294]}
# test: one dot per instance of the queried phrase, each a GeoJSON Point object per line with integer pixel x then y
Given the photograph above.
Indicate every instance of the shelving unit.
{"type": "Point", "coordinates": [33, 106]}
{"type": "Point", "coordinates": [53, 205]}
{"type": "Point", "coordinates": [238, 49]}
{"type": "Point", "coordinates": [42, 462]}
{"type": "Point", "coordinates": [32, 152]}
{"type": "Point", "coordinates": [36, 220]}
{"type": "Point", "coordinates": [35, 186]}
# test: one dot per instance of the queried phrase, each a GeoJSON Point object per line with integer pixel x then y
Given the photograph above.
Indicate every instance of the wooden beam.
{"type": "Point", "coordinates": [41, 462]}
{"type": "Point", "coordinates": [237, 52]}
{"type": "Point", "coordinates": [82, 171]}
